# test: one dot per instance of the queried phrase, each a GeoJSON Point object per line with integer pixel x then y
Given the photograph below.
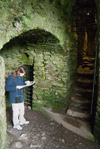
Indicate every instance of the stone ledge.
{"type": "Point", "coordinates": [83, 130]}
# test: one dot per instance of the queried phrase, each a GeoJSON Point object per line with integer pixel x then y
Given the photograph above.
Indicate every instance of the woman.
{"type": "Point", "coordinates": [14, 85]}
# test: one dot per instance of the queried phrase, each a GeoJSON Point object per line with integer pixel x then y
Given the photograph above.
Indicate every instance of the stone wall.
{"type": "Point", "coordinates": [54, 69]}
{"type": "Point", "coordinates": [2, 105]}
{"type": "Point", "coordinates": [18, 17]}
{"type": "Point", "coordinates": [97, 102]}
{"type": "Point", "coordinates": [51, 74]}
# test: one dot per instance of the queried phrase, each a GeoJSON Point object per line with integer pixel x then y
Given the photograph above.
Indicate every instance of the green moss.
{"type": "Point", "coordinates": [25, 59]}
{"type": "Point", "coordinates": [34, 15]}
{"type": "Point", "coordinates": [90, 138]}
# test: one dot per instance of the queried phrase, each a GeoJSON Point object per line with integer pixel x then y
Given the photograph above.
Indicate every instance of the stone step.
{"type": "Point", "coordinates": [80, 100]}
{"type": "Point", "coordinates": [90, 86]}
{"type": "Point", "coordinates": [89, 64]}
{"type": "Point", "coordinates": [85, 80]}
{"type": "Point", "coordinates": [84, 95]}
{"type": "Point", "coordinates": [85, 70]}
{"type": "Point", "coordinates": [83, 90]}
{"type": "Point", "coordinates": [85, 83]}
{"type": "Point", "coordinates": [89, 59]}
{"type": "Point", "coordinates": [82, 104]}
{"type": "Point", "coordinates": [77, 113]}
{"type": "Point", "coordinates": [85, 76]}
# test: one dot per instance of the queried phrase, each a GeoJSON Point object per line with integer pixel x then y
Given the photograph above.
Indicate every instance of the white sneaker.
{"type": "Point", "coordinates": [18, 127]}
{"type": "Point", "coordinates": [25, 123]}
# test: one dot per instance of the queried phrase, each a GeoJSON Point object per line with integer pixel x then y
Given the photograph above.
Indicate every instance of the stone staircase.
{"type": "Point", "coordinates": [82, 94]}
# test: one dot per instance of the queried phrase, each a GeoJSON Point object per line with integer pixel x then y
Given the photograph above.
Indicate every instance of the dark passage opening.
{"type": "Point", "coordinates": [28, 91]}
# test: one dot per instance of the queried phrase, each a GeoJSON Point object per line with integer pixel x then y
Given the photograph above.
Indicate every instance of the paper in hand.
{"type": "Point", "coordinates": [29, 84]}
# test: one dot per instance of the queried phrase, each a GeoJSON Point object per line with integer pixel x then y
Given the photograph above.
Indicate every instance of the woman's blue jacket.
{"type": "Point", "coordinates": [10, 86]}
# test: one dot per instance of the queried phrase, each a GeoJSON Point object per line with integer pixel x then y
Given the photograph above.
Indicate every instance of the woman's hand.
{"type": "Point", "coordinates": [19, 87]}
{"type": "Point", "coordinates": [27, 82]}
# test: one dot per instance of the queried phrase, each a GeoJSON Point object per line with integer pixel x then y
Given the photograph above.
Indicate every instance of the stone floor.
{"type": "Point", "coordinates": [44, 133]}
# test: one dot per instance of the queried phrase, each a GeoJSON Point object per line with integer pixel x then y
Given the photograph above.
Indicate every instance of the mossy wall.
{"type": "Point", "coordinates": [53, 17]}
{"type": "Point", "coordinates": [2, 106]}
{"type": "Point", "coordinates": [18, 17]}
{"type": "Point", "coordinates": [21, 16]}
{"type": "Point", "coordinates": [14, 56]}
{"type": "Point", "coordinates": [51, 74]}
{"type": "Point", "coordinates": [54, 69]}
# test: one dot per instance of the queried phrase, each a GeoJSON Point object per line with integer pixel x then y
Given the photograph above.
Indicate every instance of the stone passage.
{"type": "Point", "coordinates": [85, 26]}
{"type": "Point", "coordinates": [2, 106]}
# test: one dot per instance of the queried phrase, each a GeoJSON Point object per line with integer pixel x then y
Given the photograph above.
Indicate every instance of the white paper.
{"type": "Point", "coordinates": [30, 84]}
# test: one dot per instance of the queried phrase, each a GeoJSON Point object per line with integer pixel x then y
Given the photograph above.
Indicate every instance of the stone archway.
{"type": "Point", "coordinates": [2, 105]}
{"type": "Point", "coordinates": [33, 16]}
{"type": "Point", "coordinates": [50, 63]}
{"type": "Point", "coordinates": [2, 81]}
{"type": "Point", "coordinates": [55, 45]}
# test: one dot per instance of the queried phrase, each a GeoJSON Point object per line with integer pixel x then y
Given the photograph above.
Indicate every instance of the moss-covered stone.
{"type": "Point", "coordinates": [19, 17]}
{"type": "Point", "coordinates": [40, 32]}
{"type": "Point", "coordinates": [3, 134]}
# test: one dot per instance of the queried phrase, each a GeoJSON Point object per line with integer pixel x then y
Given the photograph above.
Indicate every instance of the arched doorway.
{"type": "Point", "coordinates": [41, 50]}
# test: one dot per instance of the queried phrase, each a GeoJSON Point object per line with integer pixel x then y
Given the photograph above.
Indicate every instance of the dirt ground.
{"type": "Point", "coordinates": [44, 133]}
